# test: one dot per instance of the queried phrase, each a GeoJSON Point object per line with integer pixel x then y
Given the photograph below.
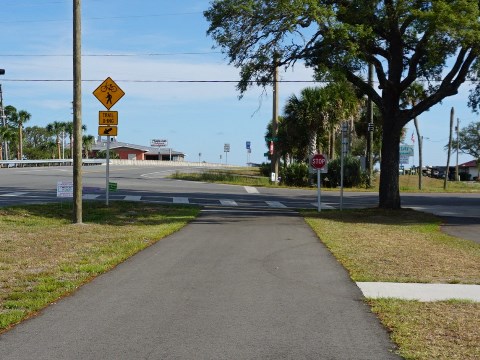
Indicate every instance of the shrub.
{"type": "Point", "coordinates": [295, 174]}
{"type": "Point", "coordinates": [352, 175]}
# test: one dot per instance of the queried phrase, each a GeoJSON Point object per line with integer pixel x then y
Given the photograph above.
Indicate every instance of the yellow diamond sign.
{"type": "Point", "coordinates": [108, 93]}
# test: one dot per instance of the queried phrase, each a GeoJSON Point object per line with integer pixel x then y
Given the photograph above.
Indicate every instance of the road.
{"type": "Point", "coordinates": [148, 183]}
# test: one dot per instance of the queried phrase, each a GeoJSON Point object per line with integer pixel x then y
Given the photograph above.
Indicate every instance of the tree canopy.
{"type": "Point", "coordinates": [405, 40]}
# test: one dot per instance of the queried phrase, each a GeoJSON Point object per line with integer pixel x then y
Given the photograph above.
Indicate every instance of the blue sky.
{"type": "Point", "coordinates": [164, 40]}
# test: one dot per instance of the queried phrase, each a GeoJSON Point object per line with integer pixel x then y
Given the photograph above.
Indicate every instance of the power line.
{"type": "Point", "coordinates": [113, 55]}
{"type": "Point", "coordinates": [157, 81]}
{"type": "Point", "coordinates": [103, 18]}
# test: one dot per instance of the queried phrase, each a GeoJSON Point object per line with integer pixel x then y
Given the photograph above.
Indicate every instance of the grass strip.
{"type": "Point", "coordinates": [408, 246]}
{"type": "Point", "coordinates": [444, 330]}
{"type": "Point", "coordinates": [43, 256]}
{"type": "Point", "coordinates": [396, 246]}
{"type": "Point", "coordinates": [251, 176]}
{"type": "Point", "coordinates": [224, 177]}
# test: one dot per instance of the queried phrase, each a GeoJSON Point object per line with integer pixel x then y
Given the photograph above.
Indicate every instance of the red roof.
{"type": "Point", "coordinates": [471, 163]}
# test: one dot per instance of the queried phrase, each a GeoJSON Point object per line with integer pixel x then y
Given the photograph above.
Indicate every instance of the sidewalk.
{"type": "Point", "coordinates": [420, 292]}
{"type": "Point", "coordinates": [466, 228]}
{"type": "Point", "coordinates": [234, 284]}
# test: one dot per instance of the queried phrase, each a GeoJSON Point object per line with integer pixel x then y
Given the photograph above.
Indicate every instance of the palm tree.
{"type": "Point", "coordinates": [69, 130]}
{"type": "Point", "coordinates": [23, 117]}
{"type": "Point", "coordinates": [56, 128]}
{"type": "Point", "coordinates": [342, 104]}
{"type": "Point", "coordinates": [6, 135]}
{"type": "Point", "coordinates": [304, 113]}
{"type": "Point", "coordinates": [87, 144]}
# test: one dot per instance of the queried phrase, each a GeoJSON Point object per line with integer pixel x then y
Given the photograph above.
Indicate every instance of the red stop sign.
{"type": "Point", "coordinates": [318, 161]}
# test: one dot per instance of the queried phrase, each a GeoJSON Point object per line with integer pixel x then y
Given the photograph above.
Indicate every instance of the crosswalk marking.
{"type": "Point", "coordinates": [90, 196]}
{"type": "Point", "coordinates": [275, 204]}
{"type": "Point", "coordinates": [14, 194]}
{"type": "Point", "coordinates": [181, 200]}
{"type": "Point", "coordinates": [132, 198]}
{"type": "Point", "coordinates": [251, 190]}
{"type": "Point", "coordinates": [324, 206]}
{"type": "Point", "coordinates": [225, 202]}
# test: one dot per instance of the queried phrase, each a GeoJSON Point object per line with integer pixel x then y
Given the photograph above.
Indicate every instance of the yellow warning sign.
{"type": "Point", "coordinates": [107, 130]}
{"type": "Point", "coordinates": [108, 93]}
{"type": "Point", "coordinates": [108, 118]}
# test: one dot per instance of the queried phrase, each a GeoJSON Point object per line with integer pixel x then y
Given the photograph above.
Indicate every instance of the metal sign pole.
{"type": "Point", "coordinates": [319, 190]}
{"type": "Point", "coordinates": [107, 187]}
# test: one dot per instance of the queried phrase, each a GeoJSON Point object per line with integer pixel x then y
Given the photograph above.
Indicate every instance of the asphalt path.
{"type": "Point", "coordinates": [234, 284]}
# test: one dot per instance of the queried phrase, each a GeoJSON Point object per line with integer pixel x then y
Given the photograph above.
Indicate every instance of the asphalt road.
{"type": "Point", "coordinates": [234, 284]}
{"type": "Point", "coordinates": [149, 183]}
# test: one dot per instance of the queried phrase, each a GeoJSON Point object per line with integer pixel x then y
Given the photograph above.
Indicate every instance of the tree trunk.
{"type": "Point", "coordinates": [389, 194]}
{"type": "Point", "coordinates": [331, 150]}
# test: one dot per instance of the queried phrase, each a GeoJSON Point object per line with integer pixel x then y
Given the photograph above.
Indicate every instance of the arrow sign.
{"type": "Point", "coordinates": [107, 130]}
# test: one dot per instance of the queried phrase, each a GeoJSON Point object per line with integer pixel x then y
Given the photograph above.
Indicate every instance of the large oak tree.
{"type": "Point", "coordinates": [435, 42]}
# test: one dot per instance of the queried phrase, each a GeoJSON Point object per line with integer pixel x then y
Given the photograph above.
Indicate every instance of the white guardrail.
{"type": "Point", "coordinates": [69, 162]}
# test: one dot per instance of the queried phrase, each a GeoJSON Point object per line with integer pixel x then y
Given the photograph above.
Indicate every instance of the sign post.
{"type": "Point", "coordinates": [318, 162]}
{"type": "Point", "coordinates": [108, 93]}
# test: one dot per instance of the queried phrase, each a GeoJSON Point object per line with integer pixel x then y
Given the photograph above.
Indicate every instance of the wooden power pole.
{"type": "Point", "coordinates": [77, 113]}
{"type": "Point", "coordinates": [275, 156]}
{"type": "Point", "coordinates": [452, 113]}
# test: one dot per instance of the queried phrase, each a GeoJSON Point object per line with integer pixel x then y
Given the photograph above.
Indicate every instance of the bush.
{"type": "Point", "coordinates": [295, 175]}
{"type": "Point", "coordinates": [352, 175]}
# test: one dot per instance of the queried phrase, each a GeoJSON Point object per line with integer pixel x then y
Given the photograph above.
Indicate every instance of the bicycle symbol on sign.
{"type": "Point", "coordinates": [108, 87]}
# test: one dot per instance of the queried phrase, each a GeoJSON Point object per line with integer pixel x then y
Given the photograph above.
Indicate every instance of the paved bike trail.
{"type": "Point", "coordinates": [234, 284]}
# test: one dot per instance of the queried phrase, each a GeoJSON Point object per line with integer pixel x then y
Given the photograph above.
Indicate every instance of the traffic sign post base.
{"type": "Point", "coordinates": [319, 191]}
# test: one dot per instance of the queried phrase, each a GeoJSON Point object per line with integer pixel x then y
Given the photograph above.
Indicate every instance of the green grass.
{"type": "Point", "coordinates": [408, 246]}
{"type": "Point", "coordinates": [232, 177]}
{"type": "Point", "coordinates": [252, 177]}
{"type": "Point", "coordinates": [44, 257]}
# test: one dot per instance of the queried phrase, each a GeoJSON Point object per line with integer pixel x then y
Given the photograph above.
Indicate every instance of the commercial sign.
{"type": "Point", "coordinates": [159, 142]}
{"type": "Point", "coordinates": [406, 150]}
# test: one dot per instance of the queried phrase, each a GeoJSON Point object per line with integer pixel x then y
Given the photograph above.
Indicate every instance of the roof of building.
{"type": "Point", "coordinates": [471, 163]}
{"type": "Point", "coordinates": [102, 145]}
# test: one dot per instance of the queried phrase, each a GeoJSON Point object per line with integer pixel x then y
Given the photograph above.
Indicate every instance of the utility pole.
{"type": "Point", "coordinates": [452, 113]}
{"type": "Point", "coordinates": [274, 165]}
{"type": "Point", "coordinates": [457, 129]}
{"type": "Point", "coordinates": [3, 119]}
{"type": "Point", "coordinates": [77, 112]}
{"type": "Point", "coordinates": [370, 130]}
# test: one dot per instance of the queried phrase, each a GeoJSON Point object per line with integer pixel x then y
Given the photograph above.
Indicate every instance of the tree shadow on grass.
{"type": "Point", "coordinates": [118, 213]}
{"type": "Point", "coordinates": [406, 217]}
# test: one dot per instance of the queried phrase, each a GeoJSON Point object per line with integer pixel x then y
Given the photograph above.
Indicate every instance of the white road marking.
{"type": "Point", "coordinates": [251, 190]}
{"type": "Point", "coordinates": [14, 194]}
{"type": "Point", "coordinates": [275, 204]}
{"type": "Point", "coordinates": [90, 196]}
{"type": "Point", "coordinates": [132, 198]}
{"type": "Point", "coordinates": [324, 206]}
{"type": "Point", "coordinates": [228, 202]}
{"type": "Point", "coordinates": [181, 200]}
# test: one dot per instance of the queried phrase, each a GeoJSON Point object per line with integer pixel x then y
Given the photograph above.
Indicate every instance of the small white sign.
{"type": "Point", "coordinates": [65, 189]}
{"type": "Point", "coordinates": [159, 142]}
